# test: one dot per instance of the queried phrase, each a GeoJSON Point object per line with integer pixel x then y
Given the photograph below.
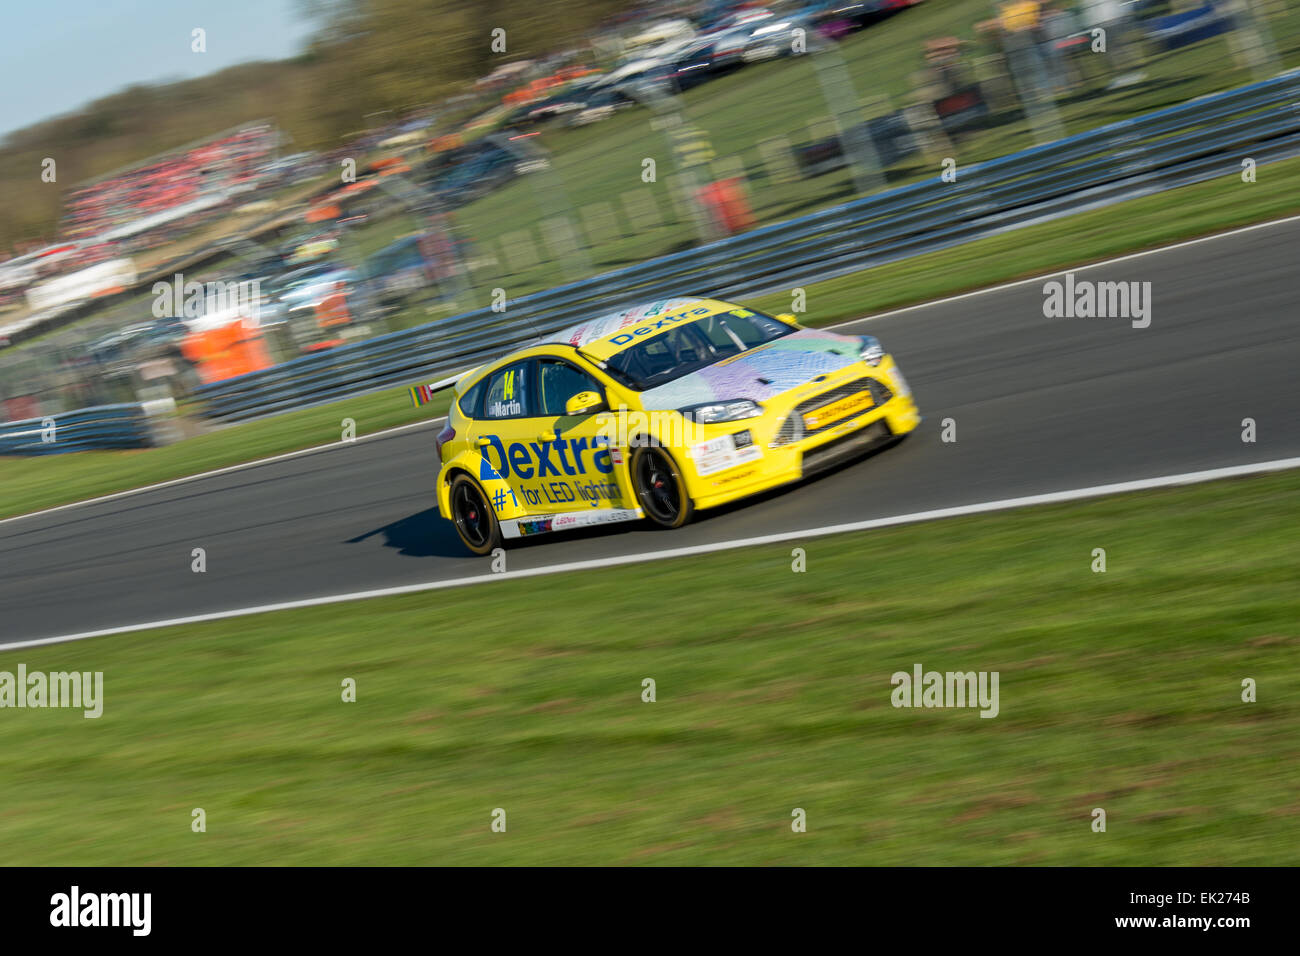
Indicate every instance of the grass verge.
{"type": "Point", "coordinates": [30, 484]}
{"type": "Point", "coordinates": [1119, 690]}
{"type": "Point", "coordinates": [1189, 212]}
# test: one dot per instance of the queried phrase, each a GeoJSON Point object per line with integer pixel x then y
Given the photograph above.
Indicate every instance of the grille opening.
{"type": "Point", "coordinates": [792, 429]}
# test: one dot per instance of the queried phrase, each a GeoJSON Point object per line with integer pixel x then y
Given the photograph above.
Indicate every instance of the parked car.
{"type": "Point", "coordinates": [397, 275]}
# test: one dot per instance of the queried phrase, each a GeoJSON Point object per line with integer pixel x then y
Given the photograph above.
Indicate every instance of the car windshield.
{"type": "Point", "coordinates": [688, 348]}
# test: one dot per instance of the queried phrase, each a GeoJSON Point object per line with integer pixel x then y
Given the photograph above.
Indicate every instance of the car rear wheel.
{"type": "Point", "coordinates": [470, 513]}
{"type": "Point", "coordinates": [660, 488]}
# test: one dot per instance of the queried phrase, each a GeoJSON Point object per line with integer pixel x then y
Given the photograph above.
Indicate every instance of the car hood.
{"type": "Point", "coordinates": [760, 373]}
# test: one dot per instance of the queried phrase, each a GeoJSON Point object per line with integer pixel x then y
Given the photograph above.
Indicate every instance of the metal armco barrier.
{"type": "Point", "coordinates": [86, 429]}
{"type": "Point", "coordinates": [1194, 141]}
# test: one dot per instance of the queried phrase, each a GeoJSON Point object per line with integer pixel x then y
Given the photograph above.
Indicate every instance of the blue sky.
{"type": "Point", "coordinates": [57, 55]}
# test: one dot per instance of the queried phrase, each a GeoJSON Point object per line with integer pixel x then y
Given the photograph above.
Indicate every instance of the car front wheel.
{"type": "Point", "coordinates": [660, 488]}
{"type": "Point", "coordinates": [475, 522]}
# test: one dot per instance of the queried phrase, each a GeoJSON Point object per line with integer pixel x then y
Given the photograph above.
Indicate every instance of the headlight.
{"type": "Point", "coordinates": [872, 351]}
{"type": "Point", "coordinates": [722, 411]}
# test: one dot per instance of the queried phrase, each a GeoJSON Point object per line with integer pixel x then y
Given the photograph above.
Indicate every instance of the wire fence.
{"type": "Point", "coordinates": [1159, 151]}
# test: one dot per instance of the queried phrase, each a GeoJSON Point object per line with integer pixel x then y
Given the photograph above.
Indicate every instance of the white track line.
{"type": "Point", "coordinates": [226, 470]}
{"type": "Point", "coordinates": [1055, 497]}
{"type": "Point", "coordinates": [839, 325]}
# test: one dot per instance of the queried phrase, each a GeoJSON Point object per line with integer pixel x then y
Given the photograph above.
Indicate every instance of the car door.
{"type": "Point", "coordinates": [504, 430]}
{"type": "Point", "coordinates": [576, 468]}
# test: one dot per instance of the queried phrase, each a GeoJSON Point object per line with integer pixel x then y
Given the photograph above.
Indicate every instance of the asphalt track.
{"type": "Point", "coordinates": [1039, 405]}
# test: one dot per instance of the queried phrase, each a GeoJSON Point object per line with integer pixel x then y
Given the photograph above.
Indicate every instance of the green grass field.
{"type": "Point", "coordinates": [34, 483]}
{"type": "Point", "coordinates": [1119, 690]}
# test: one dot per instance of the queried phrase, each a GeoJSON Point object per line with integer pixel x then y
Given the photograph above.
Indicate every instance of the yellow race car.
{"type": "Point", "coordinates": [656, 412]}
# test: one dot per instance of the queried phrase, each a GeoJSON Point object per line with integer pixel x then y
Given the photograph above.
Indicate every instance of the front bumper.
{"type": "Point", "coordinates": [822, 448]}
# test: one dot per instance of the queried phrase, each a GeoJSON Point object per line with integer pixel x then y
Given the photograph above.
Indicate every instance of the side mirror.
{"type": "Point", "coordinates": [788, 318]}
{"type": "Point", "coordinates": [584, 403]}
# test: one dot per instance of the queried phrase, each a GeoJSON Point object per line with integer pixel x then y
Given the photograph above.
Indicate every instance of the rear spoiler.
{"type": "Point", "coordinates": [420, 394]}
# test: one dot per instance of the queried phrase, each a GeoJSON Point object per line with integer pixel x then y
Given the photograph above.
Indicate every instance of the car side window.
{"type": "Point", "coordinates": [560, 381]}
{"type": "Point", "coordinates": [508, 392]}
{"type": "Point", "coordinates": [469, 402]}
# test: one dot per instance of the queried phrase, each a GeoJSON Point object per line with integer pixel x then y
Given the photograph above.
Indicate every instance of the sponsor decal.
{"type": "Point", "coordinates": [521, 527]}
{"type": "Point", "coordinates": [542, 459]}
{"type": "Point", "coordinates": [719, 454]}
{"type": "Point", "coordinates": [837, 410]}
{"type": "Point", "coordinates": [594, 493]}
{"type": "Point", "coordinates": [507, 406]}
{"type": "Point", "coordinates": [668, 321]}
{"type": "Point", "coordinates": [577, 466]}
{"type": "Point", "coordinates": [734, 477]}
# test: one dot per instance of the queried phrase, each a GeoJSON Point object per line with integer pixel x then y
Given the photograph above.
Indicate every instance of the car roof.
{"type": "Point", "coordinates": [592, 336]}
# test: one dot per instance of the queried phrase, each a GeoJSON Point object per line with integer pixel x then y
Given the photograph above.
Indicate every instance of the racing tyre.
{"type": "Point", "coordinates": [660, 488]}
{"type": "Point", "coordinates": [472, 515]}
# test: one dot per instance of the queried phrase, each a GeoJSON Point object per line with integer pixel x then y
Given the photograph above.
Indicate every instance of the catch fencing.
{"type": "Point", "coordinates": [100, 427]}
{"type": "Point", "coordinates": [1203, 139]}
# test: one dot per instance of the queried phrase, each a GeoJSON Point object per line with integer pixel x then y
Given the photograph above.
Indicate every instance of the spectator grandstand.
{"type": "Point", "coordinates": [160, 188]}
